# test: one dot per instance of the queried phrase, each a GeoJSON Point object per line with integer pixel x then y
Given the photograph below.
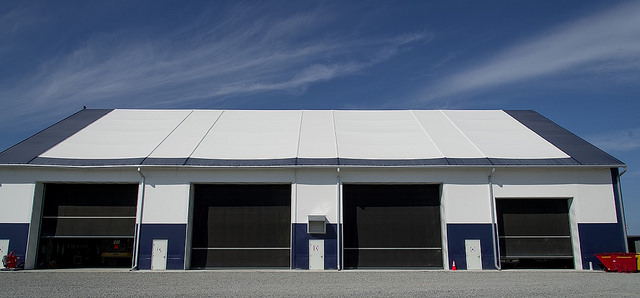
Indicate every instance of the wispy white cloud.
{"type": "Point", "coordinates": [244, 52]}
{"type": "Point", "coordinates": [16, 20]}
{"type": "Point", "coordinates": [600, 42]}
{"type": "Point", "coordinates": [617, 141]}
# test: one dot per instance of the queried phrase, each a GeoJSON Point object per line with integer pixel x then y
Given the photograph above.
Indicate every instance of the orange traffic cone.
{"type": "Point", "coordinates": [454, 268]}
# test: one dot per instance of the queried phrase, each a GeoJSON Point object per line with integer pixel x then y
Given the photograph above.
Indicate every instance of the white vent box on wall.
{"type": "Point", "coordinates": [317, 224]}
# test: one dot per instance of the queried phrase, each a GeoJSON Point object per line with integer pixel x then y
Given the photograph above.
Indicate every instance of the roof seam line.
{"type": "Point", "coordinates": [463, 134]}
{"type": "Point", "coordinates": [335, 135]}
{"type": "Point", "coordinates": [166, 137]}
{"type": "Point", "coordinates": [204, 137]}
{"type": "Point", "coordinates": [426, 133]}
{"type": "Point", "coordinates": [299, 134]}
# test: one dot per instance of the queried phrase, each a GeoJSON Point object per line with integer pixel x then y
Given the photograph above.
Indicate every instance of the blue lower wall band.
{"type": "Point", "coordinates": [599, 238]}
{"type": "Point", "coordinates": [17, 233]}
{"type": "Point", "coordinates": [594, 239]}
{"type": "Point", "coordinates": [300, 246]}
{"type": "Point", "coordinates": [458, 233]}
{"type": "Point", "coordinates": [175, 233]}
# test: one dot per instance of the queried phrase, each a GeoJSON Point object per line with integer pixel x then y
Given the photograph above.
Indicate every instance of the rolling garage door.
{"type": "Point", "coordinates": [534, 233]}
{"type": "Point", "coordinates": [388, 226]}
{"type": "Point", "coordinates": [87, 225]}
{"type": "Point", "coordinates": [241, 226]}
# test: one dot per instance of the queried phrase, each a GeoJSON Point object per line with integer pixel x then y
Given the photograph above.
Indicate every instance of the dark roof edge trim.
{"type": "Point", "coordinates": [580, 150]}
{"type": "Point", "coordinates": [313, 162]}
{"type": "Point", "coordinates": [30, 148]}
{"type": "Point", "coordinates": [47, 161]}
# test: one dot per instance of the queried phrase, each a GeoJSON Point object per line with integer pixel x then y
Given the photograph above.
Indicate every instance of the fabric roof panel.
{"type": "Point", "coordinates": [382, 135]}
{"type": "Point", "coordinates": [29, 149]}
{"type": "Point", "coordinates": [451, 141]}
{"type": "Point", "coordinates": [186, 137]}
{"type": "Point", "coordinates": [317, 136]}
{"type": "Point", "coordinates": [293, 137]}
{"type": "Point", "coordinates": [121, 134]}
{"type": "Point", "coordinates": [252, 135]}
{"type": "Point", "coordinates": [498, 135]}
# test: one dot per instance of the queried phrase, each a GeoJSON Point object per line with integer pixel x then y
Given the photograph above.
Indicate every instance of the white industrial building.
{"type": "Point", "coordinates": [312, 189]}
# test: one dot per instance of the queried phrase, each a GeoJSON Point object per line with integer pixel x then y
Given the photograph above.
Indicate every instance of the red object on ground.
{"type": "Point", "coordinates": [618, 262]}
{"type": "Point", "coordinates": [454, 268]}
{"type": "Point", "coordinates": [10, 261]}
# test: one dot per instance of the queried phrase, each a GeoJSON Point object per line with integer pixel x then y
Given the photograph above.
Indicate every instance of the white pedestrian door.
{"type": "Point", "coordinates": [474, 255]}
{"type": "Point", "coordinates": [159, 254]}
{"type": "Point", "coordinates": [316, 254]}
{"type": "Point", "coordinates": [4, 249]}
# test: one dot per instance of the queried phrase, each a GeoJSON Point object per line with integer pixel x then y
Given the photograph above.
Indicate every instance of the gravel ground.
{"type": "Point", "coordinates": [118, 283]}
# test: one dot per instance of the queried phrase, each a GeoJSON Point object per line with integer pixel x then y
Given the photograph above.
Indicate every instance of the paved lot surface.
{"type": "Point", "coordinates": [118, 283]}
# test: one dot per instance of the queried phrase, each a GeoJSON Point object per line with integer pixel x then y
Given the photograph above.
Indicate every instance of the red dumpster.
{"type": "Point", "coordinates": [619, 262]}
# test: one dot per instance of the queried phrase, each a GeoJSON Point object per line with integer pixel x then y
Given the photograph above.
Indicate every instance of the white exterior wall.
{"type": "Point", "coordinates": [21, 194]}
{"type": "Point", "coordinates": [591, 190]}
{"type": "Point", "coordinates": [68, 175]}
{"type": "Point", "coordinates": [315, 191]}
{"type": "Point", "coordinates": [168, 191]}
{"type": "Point", "coordinates": [465, 192]}
{"type": "Point", "coordinates": [18, 186]}
{"type": "Point", "coordinates": [16, 200]}
{"type": "Point", "coordinates": [166, 204]}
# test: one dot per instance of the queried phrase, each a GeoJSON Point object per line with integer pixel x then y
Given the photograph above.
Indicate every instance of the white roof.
{"type": "Point", "coordinates": [317, 134]}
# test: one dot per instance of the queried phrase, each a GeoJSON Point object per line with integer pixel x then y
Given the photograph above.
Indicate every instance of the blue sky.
{"type": "Point", "coordinates": [576, 62]}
